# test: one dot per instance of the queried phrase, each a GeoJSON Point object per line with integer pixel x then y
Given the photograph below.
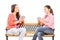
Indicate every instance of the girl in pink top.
{"type": "Point", "coordinates": [48, 24]}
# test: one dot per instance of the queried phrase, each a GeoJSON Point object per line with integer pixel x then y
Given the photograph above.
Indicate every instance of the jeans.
{"type": "Point", "coordinates": [40, 31]}
{"type": "Point", "coordinates": [20, 31]}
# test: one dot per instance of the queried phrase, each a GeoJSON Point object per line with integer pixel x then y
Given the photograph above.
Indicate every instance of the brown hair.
{"type": "Point", "coordinates": [51, 11]}
{"type": "Point", "coordinates": [12, 10]}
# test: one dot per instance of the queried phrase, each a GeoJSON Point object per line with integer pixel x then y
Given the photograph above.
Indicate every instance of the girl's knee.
{"type": "Point", "coordinates": [40, 33]}
{"type": "Point", "coordinates": [24, 29]}
{"type": "Point", "coordinates": [38, 29]}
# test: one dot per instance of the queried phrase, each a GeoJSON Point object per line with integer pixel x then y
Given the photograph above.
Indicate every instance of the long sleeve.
{"type": "Point", "coordinates": [49, 21]}
{"type": "Point", "coordinates": [11, 20]}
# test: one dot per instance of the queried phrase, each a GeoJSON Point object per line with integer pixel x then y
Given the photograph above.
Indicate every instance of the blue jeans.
{"type": "Point", "coordinates": [40, 31]}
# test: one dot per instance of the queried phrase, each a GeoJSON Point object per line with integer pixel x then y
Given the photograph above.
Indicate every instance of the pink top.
{"type": "Point", "coordinates": [49, 21]}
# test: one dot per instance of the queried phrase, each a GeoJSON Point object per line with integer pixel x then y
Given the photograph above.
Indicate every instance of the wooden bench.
{"type": "Point", "coordinates": [29, 33]}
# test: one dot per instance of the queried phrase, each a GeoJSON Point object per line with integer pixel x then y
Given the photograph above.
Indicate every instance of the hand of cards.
{"type": "Point", "coordinates": [38, 19]}
{"type": "Point", "coordinates": [22, 17]}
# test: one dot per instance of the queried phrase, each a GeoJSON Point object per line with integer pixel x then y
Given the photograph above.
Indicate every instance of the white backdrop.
{"type": "Point", "coordinates": [31, 9]}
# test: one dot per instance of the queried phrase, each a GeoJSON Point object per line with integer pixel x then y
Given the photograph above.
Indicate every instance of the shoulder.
{"type": "Point", "coordinates": [10, 15]}
{"type": "Point", "coordinates": [51, 15]}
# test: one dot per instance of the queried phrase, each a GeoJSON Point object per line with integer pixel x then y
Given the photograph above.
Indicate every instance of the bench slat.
{"type": "Point", "coordinates": [29, 34]}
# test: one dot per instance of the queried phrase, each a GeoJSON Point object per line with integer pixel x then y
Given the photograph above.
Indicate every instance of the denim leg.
{"type": "Point", "coordinates": [49, 31]}
{"type": "Point", "coordinates": [43, 30]}
{"type": "Point", "coordinates": [40, 34]}
{"type": "Point", "coordinates": [36, 33]}
{"type": "Point", "coordinates": [40, 29]}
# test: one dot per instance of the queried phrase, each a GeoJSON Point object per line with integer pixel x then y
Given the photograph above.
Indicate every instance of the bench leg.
{"type": "Point", "coordinates": [6, 37]}
{"type": "Point", "coordinates": [52, 37]}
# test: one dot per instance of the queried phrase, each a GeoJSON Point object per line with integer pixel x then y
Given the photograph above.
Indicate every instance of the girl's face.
{"type": "Point", "coordinates": [46, 10]}
{"type": "Point", "coordinates": [16, 8]}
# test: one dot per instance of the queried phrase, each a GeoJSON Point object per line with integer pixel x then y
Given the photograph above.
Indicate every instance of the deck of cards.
{"type": "Point", "coordinates": [22, 17]}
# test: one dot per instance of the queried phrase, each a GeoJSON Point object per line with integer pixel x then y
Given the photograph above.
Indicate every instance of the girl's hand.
{"type": "Point", "coordinates": [38, 18]}
{"type": "Point", "coordinates": [16, 22]}
{"type": "Point", "coordinates": [21, 20]}
{"type": "Point", "coordinates": [41, 20]}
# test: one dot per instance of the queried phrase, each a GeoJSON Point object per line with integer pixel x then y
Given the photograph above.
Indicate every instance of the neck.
{"type": "Point", "coordinates": [48, 13]}
{"type": "Point", "coordinates": [14, 13]}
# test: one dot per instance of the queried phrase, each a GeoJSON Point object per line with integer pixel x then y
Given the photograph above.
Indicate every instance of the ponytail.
{"type": "Point", "coordinates": [51, 11]}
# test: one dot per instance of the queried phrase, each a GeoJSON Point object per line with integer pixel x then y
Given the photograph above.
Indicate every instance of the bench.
{"type": "Point", "coordinates": [30, 27]}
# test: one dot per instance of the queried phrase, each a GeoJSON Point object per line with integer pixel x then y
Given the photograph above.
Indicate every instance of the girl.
{"type": "Point", "coordinates": [48, 21]}
{"type": "Point", "coordinates": [14, 21]}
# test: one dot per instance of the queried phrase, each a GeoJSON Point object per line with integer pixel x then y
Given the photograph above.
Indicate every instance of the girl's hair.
{"type": "Point", "coordinates": [51, 11]}
{"type": "Point", "coordinates": [12, 10]}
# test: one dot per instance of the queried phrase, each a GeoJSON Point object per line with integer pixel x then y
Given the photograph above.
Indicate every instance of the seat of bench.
{"type": "Point", "coordinates": [30, 34]}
